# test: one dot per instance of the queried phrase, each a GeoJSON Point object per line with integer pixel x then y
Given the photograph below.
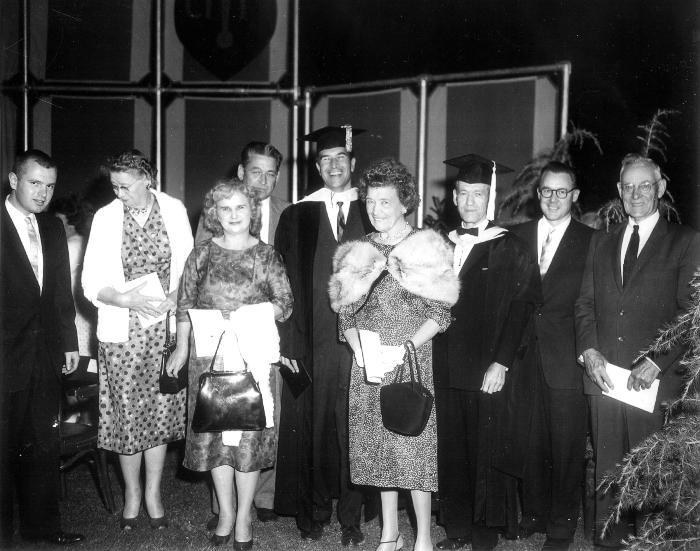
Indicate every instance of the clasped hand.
{"type": "Point", "coordinates": [176, 361]}
{"type": "Point", "coordinates": [145, 305]}
{"type": "Point", "coordinates": [389, 357]}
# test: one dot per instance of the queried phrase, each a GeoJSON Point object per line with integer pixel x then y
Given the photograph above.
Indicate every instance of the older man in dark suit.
{"type": "Point", "coordinates": [553, 473]}
{"type": "Point", "coordinates": [38, 337]}
{"type": "Point", "coordinates": [636, 280]}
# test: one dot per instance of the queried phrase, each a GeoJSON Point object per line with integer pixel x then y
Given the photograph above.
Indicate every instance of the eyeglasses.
{"type": "Point", "coordinates": [645, 188]}
{"type": "Point", "coordinates": [561, 192]}
{"type": "Point", "coordinates": [257, 174]}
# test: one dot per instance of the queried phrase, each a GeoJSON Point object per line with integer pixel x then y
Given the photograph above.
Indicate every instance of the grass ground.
{"type": "Point", "coordinates": [186, 498]}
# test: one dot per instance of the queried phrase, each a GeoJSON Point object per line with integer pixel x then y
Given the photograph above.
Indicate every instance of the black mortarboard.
{"type": "Point", "coordinates": [475, 169]}
{"type": "Point", "coordinates": [329, 137]}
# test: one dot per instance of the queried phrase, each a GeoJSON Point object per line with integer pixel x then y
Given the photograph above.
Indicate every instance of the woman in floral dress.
{"type": "Point", "coordinates": [231, 270]}
{"type": "Point", "coordinates": [141, 232]}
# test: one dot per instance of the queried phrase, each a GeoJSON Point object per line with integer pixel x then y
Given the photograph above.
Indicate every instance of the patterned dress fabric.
{"type": "Point", "coordinates": [134, 416]}
{"type": "Point", "coordinates": [379, 457]}
{"type": "Point", "coordinates": [223, 279]}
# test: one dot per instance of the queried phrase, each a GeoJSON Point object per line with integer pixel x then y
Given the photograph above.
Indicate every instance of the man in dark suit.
{"type": "Point", "coordinates": [259, 168]}
{"type": "Point", "coordinates": [38, 337]}
{"type": "Point", "coordinates": [312, 458]}
{"type": "Point", "coordinates": [551, 486]}
{"type": "Point", "coordinates": [476, 374]}
{"type": "Point", "coordinates": [635, 281]}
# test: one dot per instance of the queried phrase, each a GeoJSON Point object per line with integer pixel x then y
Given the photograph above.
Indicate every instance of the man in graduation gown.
{"type": "Point", "coordinates": [552, 481]}
{"type": "Point", "coordinates": [312, 460]}
{"type": "Point", "coordinates": [476, 376]}
{"type": "Point", "coordinates": [636, 280]}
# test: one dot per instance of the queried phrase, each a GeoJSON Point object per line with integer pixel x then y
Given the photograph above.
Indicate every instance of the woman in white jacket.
{"type": "Point", "coordinates": [141, 233]}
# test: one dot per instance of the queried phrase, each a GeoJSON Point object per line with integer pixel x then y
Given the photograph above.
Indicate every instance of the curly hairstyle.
{"type": "Point", "coordinates": [224, 189]}
{"type": "Point", "coordinates": [390, 172]}
{"type": "Point", "coordinates": [135, 161]}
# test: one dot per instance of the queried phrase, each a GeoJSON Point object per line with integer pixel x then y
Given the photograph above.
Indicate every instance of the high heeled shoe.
{"type": "Point", "coordinates": [218, 540]}
{"type": "Point", "coordinates": [127, 524]}
{"type": "Point", "coordinates": [398, 543]}
{"type": "Point", "coordinates": [244, 545]}
{"type": "Point", "coordinates": [158, 523]}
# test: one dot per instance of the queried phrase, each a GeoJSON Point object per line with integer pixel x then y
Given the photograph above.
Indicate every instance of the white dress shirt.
{"type": "Point", "coordinates": [543, 230]}
{"type": "Point", "coordinates": [465, 243]}
{"type": "Point", "coordinates": [17, 218]}
{"type": "Point", "coordinates": [331, 200]}
{"type": "Point", "coordinates": [265, 220]}
{"type": "Point", "coordinates": [646, 226]}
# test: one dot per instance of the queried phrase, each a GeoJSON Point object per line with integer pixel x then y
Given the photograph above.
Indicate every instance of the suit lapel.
{"type": "Point", "coordinates": [561, 253]}
{"type": "Point", "coordinates": [615, 251]}
{"type": "Point", "coordinates": [16, 250]}
{"type": "Point", "coordinates": [650, 247]}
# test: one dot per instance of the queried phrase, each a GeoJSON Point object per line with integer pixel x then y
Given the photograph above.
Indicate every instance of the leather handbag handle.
{"type": "Point", "coordinates": [413, 362]}
{"type": "Point", "coordinates": [167, 327]}
{"type": "Point", "coordinates": [213, 358]}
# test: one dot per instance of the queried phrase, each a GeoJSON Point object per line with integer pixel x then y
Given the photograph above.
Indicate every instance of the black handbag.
{"type": "Point", "coordinates": [166, 383]}
{"type": "Point", "coordinates": [406, 406]}
{"type": "Point", "coordinates": [227, 400]}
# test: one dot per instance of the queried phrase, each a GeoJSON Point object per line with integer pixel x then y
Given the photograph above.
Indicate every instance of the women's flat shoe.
{"type": "Point", "coordinates": [398, 543]}
{"type": "Point", "coordinates": [127, 524]}
{"type": "Point", "coordinates": [158, 523]}
{"type": "Point", "coordinates": [243, 545]}
{"type": "Point", "coordinates": [218, 541]}
{"type": "Point", "coordinates": [213, 522]}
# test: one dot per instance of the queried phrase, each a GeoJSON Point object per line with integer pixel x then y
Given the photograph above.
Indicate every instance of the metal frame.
{"type": "Point", "coordinates": [422, 84]}
{"type": "Point", "coordinates": [161, 86]}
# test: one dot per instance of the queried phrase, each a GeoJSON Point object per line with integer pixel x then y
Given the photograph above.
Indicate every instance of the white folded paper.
{"type": "Point", "coordinates": [153, 288]}
{"type": "Point", "coordinates": [207, 326]}
{"type": "Point", "coordinates": [642, 399]}
{"type": "Point", "coordinates": [371, 355]}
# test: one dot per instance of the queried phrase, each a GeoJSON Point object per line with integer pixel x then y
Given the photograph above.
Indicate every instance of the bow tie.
{"type": "Point", "coordinates": [470, 231]}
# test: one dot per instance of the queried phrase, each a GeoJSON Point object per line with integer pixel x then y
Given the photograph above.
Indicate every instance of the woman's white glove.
{"type": "Point", "coordinates": [391, 356]}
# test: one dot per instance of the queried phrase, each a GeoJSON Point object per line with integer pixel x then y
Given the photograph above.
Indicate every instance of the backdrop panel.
{"type": "Point", "coordinates": [215, 132]}
{"type": "Point", "coordinates": [389, 118]}
{"type": "Point", "coordinates": [80, 133]}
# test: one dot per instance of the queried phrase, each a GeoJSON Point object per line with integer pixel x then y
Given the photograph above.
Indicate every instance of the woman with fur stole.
{"type": "Point", "coordinates": [399, 283]}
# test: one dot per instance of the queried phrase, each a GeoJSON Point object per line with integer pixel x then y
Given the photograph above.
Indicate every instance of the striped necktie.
{"type": "Point", "coordinates": [33, 247]}
{"type": "Point", "coordinates": [546, 254]}
{"type": "Point", "coordinates": [340, 223]}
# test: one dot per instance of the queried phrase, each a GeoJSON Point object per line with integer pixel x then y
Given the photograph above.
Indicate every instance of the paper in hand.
{"type": "Point", "coordinates": [371, 353]}
{"type": "Point", "coordinates": [643, 399]}
{"type": "Point", "coordinates": [153, 288]}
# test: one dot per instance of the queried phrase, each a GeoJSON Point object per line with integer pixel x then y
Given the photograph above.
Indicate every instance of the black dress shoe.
{"type": "Point", "coordinates": [158, 523]}
{"type": "Point", "coordinates": [351, 534]}
{"type": "Point", "coordinates": [63, 538]}
{"type": "Point", "coordinates": [218, 541]}
{"type": "Point", "coordinates": [453, 543]}
{"type": "Point", "coordinates": [266, 515]}
{"type": "Point", "coordinates": [315, 533]}
{"type": "Point", "coordinates": [557, 544]}
{"type": "Point", "coordinates": [243, 545]}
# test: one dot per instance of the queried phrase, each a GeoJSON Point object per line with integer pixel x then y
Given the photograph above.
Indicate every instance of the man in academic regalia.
{"type": "Point", "coordinates": [476, 376]}
{"type": "Point", "coordinates": [312, 460]}
{"type": "Point", "coordinates": [552, 481]}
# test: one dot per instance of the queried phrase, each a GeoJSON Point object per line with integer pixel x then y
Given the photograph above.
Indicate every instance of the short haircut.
{"type": "Point", "coordinates": [36, 155]}
{"type": "Point", "coordinates": [390, 172]}
{"type": "Point", "coordinates": [557, 167]}
{"type": "Point", "coordinates": [637, 159]}
{"type": "Point", "coordinates": [261, 148]}
{"type": "Point", "coordinates": [224, 189]}
{"type": "Point", "coordinates": [135, 161]}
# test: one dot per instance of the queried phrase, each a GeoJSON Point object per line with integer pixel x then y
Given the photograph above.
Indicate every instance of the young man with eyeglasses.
{"type": "Point", "coordinates": [551, 486]}
{"type": "Point", "coordinates": [636, 280]}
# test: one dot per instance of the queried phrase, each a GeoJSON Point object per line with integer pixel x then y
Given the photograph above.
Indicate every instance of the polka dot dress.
{"type": "Point", "coordinates": [134, 416]}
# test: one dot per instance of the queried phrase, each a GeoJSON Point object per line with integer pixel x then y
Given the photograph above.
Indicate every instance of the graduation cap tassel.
{"type": "Point", "coordinates": [491, 207]}
{"type": "Point", "coordinates": [348, 137]}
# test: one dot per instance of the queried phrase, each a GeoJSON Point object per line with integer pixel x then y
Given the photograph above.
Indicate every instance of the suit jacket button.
{"type": "Point", "coordinates": [621, 339]}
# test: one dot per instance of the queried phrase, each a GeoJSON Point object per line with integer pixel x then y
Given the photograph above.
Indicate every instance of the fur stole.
{"type": "Point", "coordinates": [421, 264]}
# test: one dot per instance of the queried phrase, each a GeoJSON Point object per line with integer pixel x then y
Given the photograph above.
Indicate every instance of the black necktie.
{"type": "Point", "coordinates": [340, 224]}
{"type": "Point", "coordinates": [470, 231]}
{"type": "Point", "coordinates": [630, 255]}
